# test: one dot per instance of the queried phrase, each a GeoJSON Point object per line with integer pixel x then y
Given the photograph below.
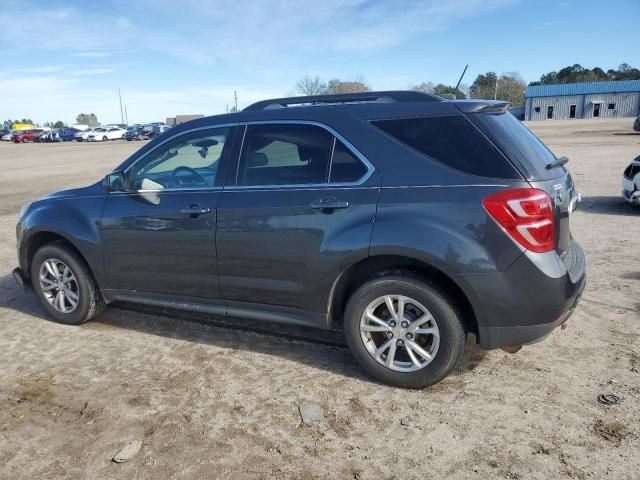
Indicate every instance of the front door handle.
{"type": "Point", "coordinates": [329, 204]}
{"type": "Point", "coordinates": [195, 210]}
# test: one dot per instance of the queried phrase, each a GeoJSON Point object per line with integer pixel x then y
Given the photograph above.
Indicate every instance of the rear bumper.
{"type": "Point", "coordinates": [496, 337]}
{"type": "Point", "coordinates": [523, 304]}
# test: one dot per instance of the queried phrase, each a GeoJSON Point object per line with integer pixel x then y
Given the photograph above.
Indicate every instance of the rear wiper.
{"type": "Point", "coordinates": [558, 163]}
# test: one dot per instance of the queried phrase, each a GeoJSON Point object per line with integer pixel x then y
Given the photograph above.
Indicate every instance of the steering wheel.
{"type": "Point", "coordinates": [176, 181]}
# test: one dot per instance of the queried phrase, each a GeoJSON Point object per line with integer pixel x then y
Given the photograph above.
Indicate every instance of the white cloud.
{"type": "Point", "coordinates": [92, 54]}
{"type": "Point", "coordinates": [43, 69]}
{"type": "Point", "coordinates": [265, 37]}
{"type": "Point", "coordinates": [68, 96]}
{"type": "Point", "coordinates": [235, 31]}
{"type": "Point", "coordinates": [92, 71]}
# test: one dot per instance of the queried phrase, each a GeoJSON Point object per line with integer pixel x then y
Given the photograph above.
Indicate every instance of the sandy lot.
{"type": "Point", "coordinates": [212, 402]}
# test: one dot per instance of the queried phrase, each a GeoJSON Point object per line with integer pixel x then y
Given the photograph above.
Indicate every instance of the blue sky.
{"type": "Point", "coordinates": [188, 56]}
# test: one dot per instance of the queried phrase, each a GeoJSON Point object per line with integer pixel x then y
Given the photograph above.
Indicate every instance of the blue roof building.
{"type": "Point", "coordinates": [583, 100]}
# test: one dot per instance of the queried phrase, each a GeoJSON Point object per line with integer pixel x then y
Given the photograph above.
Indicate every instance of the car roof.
{"type": "Point", "coordinates": [366, 106]}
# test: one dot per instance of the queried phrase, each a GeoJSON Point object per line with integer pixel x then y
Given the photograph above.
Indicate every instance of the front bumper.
{"type": "Point", "coordinates": [21, 279]}
{"type": "Point", "coordinates": [630, 191]}
{"type": "Point", "coordinates": [523, 304]}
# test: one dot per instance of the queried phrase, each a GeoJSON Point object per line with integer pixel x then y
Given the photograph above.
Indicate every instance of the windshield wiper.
{"type": "Point", "coordinates": [558, 163]}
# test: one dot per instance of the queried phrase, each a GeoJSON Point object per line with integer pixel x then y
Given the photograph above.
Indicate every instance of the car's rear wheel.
{"type": "Point", "coordinates": [404, 331]}
{"type": "Point", "coordinates": [104, 138]}
{"type": "Point", "coordinates": [64, 285]}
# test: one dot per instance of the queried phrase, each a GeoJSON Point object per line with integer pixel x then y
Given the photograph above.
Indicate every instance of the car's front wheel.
{"type": "Point", "coordinates": [404, 331]}
{"type": "Point", "coordinates": [64, 284]}
{"type": "Point", "coordinates": [104, 138]}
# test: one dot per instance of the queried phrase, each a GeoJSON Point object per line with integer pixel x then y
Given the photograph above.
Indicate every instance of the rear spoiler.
{"type": "Point", "coordinates": [482, 106]}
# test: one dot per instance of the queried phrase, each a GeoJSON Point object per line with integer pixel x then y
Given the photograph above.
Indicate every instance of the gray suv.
{"type": "Point", "coordinates": [405, 220]}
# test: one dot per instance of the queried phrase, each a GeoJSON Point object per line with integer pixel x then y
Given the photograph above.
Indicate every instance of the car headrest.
{"type": "Point", "coordinates": [257, 159]}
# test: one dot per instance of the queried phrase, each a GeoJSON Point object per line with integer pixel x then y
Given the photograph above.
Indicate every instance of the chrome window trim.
{"type": "Point", "coordinates": [245, 124]}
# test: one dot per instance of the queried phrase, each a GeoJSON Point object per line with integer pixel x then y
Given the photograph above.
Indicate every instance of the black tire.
{"type": "Point", "coordinates": [447, 317]}
{"type": "Point", "coordinates": [90, 301]}
{"type": "Point", "coordinates": [104, 138]}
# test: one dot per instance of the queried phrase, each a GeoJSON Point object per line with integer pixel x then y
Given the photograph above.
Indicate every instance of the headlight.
{"type": "Point", "coordinates": [24, 209]}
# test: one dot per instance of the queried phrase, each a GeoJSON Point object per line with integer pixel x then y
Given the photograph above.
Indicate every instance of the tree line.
{"type": "Point", "coordinates": [577, 73]}
{"type": "Point", "coordinates": [509, 86]}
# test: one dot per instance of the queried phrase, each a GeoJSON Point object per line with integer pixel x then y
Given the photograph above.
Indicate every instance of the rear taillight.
{"type": "Point", "coordinates": [526, 214]}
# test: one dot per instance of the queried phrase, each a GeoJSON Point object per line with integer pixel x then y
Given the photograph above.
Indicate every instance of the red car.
{"type": "Point", "coordinates": [26, 135]}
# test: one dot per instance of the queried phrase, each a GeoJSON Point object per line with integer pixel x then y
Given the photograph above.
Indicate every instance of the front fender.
{"type": "Point", "coordinates": [74, 219]}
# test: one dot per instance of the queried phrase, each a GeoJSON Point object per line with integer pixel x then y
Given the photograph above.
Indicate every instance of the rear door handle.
{"type": "Point", "coordinates": [329, 204]}
{"type": "Point", "coordinates": [195, 210]}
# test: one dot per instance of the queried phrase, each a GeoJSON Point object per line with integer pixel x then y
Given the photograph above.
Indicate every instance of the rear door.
{"type": "Point", "coordinates": [297, 210]}
{"type": "Point", "coordinates": [533, 159]}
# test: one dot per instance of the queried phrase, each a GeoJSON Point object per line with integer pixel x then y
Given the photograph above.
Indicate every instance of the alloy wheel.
{"type": "Point", "coordinates": [59, 285]}
{"type": "Point", "coordinates": [399, 333]}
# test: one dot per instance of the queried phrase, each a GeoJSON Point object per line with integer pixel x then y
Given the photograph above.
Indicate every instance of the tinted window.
{"type": "Point", "coordinates": [344, 166]}
{"type": "Point", "coordinates": [188, 161]}
{"type": "Point", "coordinates": [519, 144]}
{"type": "Point", "coordinates": [453, 141]}
{"type": "Point", "coordinates": [285, 155]}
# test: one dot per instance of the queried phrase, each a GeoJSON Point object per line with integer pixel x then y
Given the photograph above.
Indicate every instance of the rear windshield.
{"type": "Point", "coordinates": [519, 144]}
{"type": "Point", "coordinates": [453, 141]}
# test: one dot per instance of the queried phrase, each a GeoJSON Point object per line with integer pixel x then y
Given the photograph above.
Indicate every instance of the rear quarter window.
{"type": "Point", "coordinates": [519, 144]}
{"type": "Point", "coordinates": [452, 141]}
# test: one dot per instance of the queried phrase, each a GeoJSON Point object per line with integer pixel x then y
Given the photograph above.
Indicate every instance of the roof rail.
{"type": "Point", "coordinates": [380, 97]}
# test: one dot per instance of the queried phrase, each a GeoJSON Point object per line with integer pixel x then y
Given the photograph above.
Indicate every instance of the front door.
{"type": "Point", "coordinates": [159, 235]}
{"type": "Point", "coordinates": [298, 210]}
{"type": "Point", "coordinates": [572, 111]}
{"type": "Point", "coordinates": [596, 110]}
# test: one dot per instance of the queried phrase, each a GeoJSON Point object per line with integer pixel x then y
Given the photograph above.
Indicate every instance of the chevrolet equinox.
{"type": "Point", "coordinates": [405, 220]}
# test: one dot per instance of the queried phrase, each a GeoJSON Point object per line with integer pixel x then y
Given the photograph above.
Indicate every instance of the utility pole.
{"type": "Point", "coordinates": [126, 116]}
{"type": "Point", "coordinates": [121, 114]}
{"type": "Point", "coordinates": [495, 92]}
{"type": "Point", "coordinates": [235, 98]}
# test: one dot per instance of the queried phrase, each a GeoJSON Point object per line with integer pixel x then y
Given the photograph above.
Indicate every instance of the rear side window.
{"type": "Point", "coordinates": [519, 144]}
{"type": "Point", "coordinates": [453, 141]}
{"type": "Point", "coordinates": [290, 154]}
{"type": "Point", "coordinates": [345, 168]}
{"type": "Point", "coordinates": [285, 155]}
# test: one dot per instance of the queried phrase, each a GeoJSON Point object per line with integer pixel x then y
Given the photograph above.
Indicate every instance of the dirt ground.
{"type": "Point", "coordinates": [211, 402]}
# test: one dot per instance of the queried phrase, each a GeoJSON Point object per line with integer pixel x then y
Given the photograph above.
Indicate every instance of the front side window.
{"type": "Point", "coordinates": [187, 161]}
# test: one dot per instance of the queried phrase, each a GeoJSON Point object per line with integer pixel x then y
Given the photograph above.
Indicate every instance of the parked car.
{"type": "Point", "coordinates": [631, 182]}
{"type": "Point", "coordinates": [636, 124]}
{"type": "Point", "coordinates": [135, 132]}
{"type": "Point", "coordinates": [23, 136]}
{"type": "Point", "coordinates": [44, 136]}
{"type": "Point", "coordinates": [5, 131]}
{"type": "Point", "coordinates": [149, 127]}
{"type": "Point", "coordinates": [158, 129]}
{"type": "Point", "coordinates": [405, 220]}
{"type": "Point", "coordinates": [66, 134]}
{"type": "Point", "coordinates": [107, 133]}
{"type": "Point", "coordinates": [82, 135]}
{"type": "Point", "coordinates": [6, 137]}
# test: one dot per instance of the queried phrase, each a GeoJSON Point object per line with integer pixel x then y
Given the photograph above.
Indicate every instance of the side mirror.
{"type": "Point", "coordinates": [115, 182]}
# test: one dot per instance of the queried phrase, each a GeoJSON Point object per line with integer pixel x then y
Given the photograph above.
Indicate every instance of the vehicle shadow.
{"type": "Point", "coordinates": [608, 205]}
{"type": "Point", "coordinates": [295, 343]}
